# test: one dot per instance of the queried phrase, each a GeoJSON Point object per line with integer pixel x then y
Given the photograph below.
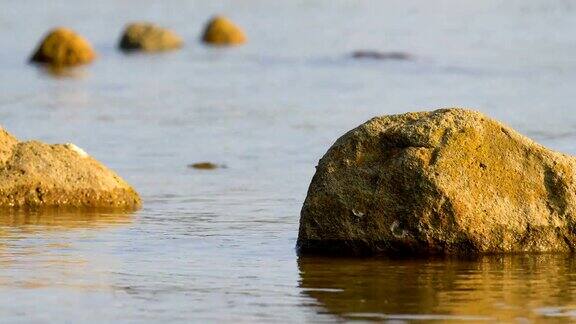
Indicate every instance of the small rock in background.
{"type": "Point", "coordinates": [63, 72]}
{"type": "Point", "coordinates": [221, 31]}
{"type": "Point", "coordinates": [376, 55]}
{"type": "Point", "coordinates": [149, 37]}
{"type": "Point", "coordinates": [63, 47]}
{"type": "Point", "coordinates": [35, 175]}
{"type": "Point", "coordinates": [446, 182]}
{"type": "Point", "coordinates": [206, 166]}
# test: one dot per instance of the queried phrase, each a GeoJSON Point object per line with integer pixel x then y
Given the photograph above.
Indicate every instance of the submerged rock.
{"type": "Point", "coordinates": [221, 31]}
{"type": "Point", "coordinates": [376, 55]}
{"type": "Point", "coordinates": [34, 174]}
{"type": "Point", "coordinates": [149, 37]}
{"type": "Point", "coordinates": [63, 47]}
{"type": "Point", "coordinates": [451, 181]}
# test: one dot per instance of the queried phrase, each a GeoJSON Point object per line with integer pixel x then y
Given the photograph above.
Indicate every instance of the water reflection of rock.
{"type": "Point", "coordinates": [506, 288]}
{"type": "Point", "coordinates": [54, 240]}
{"type": "Point", "coordinates": [61, 218]}
{"type": "Point", "coordinates": [59, 72]}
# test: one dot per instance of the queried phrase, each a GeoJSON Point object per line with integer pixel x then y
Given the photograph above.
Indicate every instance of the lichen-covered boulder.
{"type": "Point", "coordinates": [221, 31]}
{"type": "Point", "coordinates": [451, 181]}
{"type": "Point", "coordinates": [63, 47]}
{"type": "Point", "coordinates": [149, 37]}
{"type": "Point", "coordinates": [34, 174]}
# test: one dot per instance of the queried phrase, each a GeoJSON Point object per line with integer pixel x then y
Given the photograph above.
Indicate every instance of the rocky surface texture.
{"type": "Point", "coordinates": [447, 182]}
{"type": "Point", "coordinates": [34, 174]}
{"type": "Point", "coordinates": [149, 37]}
{"type": "Point", "coordinates": [63, 47]}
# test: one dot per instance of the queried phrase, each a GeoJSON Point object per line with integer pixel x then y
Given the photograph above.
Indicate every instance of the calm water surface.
{"type": "Point", "coordinates": [214, 246]}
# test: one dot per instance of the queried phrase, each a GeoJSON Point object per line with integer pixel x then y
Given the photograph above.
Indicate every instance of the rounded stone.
{"type": "Point", "coordinates": [63, 47]}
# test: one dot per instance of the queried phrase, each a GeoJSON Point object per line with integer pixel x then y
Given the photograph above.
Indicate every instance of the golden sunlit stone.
{"type": "Point", "coordinates": [221, 31]}
{"type": "Point", "coordinates": [63, 47]}
{"type": "Point", "coordinates": [451, 181]}
{"type": "Point", "coordinates": [34, 174]}
{"type": "Point", "coordinates": [149, 37]}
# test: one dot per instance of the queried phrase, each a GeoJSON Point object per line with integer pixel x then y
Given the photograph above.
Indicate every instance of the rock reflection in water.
{"type": "Point", "coordinates": [502, 288]}
{"type": "Point", "coordinates": [58, 72]}
{"type": "Point", "coordinates": [54, 218]}
{"type": "Point", "coordinates": [58, 242]}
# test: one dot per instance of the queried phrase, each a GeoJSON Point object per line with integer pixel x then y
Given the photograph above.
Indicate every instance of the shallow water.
{"type": "Point", "coordinates": [218, 245]}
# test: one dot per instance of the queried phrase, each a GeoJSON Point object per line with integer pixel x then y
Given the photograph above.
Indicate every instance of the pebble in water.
{"type": "Point", "coordinates": [376, 55]}
{"type": "Point", "coordinates": [206, 166]}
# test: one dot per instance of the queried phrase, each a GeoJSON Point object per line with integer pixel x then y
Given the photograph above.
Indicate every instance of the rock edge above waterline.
{"type": "Point", "coordinates": [34, 175]}
{"type": "Point", "coordinates": [446, 182]}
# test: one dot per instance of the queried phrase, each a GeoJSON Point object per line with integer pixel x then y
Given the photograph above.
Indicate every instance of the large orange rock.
{"type": "Point", "coordinates": [451, 181]}
{"type": "Point", "coordinates": [63, 47]}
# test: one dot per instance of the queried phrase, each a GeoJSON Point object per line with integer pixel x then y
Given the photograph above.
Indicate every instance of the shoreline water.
{"type": "Point", "coordinates": [219, 245]}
